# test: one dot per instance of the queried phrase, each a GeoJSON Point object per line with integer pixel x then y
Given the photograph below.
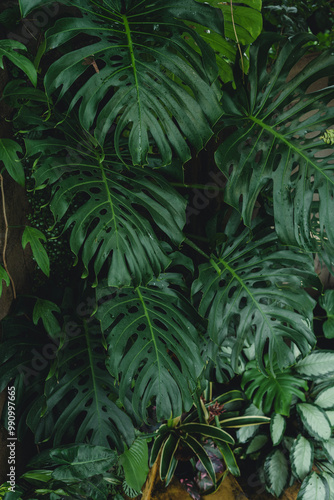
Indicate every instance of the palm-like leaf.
{"type": "Point", "coordinates": [152, 84]}
{"type": "Point", "coordinates": [82, 395]}
{"type": "Point", "coordinates": [152, 341]}
{"type": "Point", "coordinates": [272, 391]}
{"type": "Point", "coordinates": [115, 207]}
{"type": "Point", "coordinates": [278, 140]}
{"type": "Point", "coordinates": [253, 290]}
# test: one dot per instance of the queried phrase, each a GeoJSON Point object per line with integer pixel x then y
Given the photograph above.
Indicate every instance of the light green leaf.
{"type": "Point", "coordinates": [301, 457]}
{"type": "Point", "coordinates": [330, 481]}
{"type": "Point", "coordinates": [33, 236]}
{"type": "Point", "coordinates": [11, 161]}
{"type": "Point", "coordinates": [328, 447]}
{"type": "Point", "coordinates": [44, 309]}
{"type": "Point", "coordinates": [257, 443]}
{"type": "Point", "coordinates": [38, 475]}
{"type": "Point", "coordinates": [276, 472]}
{"type": "Point", "coordinates": [152, 341]}
{"type": "Point", "coordinates": [8, 48]}
{"type": "Point", "coordinates": [3, 277]}
{"type": "Point", "coordinates": [252, 289]}
{"type": "Point", "coordinates": [314, 487]}
{"type": "Point", "coordinates": [277, 428]}
{"type": "Point", "coordinates": [330, 415]}
{"type": "Point", "coordinates": [315, 420]}
{"type": "Point", "coordinates": [135, 464]}
{"type": "Point", "coordinates": [325, 399]}
{"type": "Point", "coordinates": [317, 365]}
{"type": "Point", "coordinates": [277, 143]}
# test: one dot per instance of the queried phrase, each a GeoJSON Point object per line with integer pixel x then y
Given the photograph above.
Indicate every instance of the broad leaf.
{"type": "Point", "coordinates": [315, 420]}
{"type": "Point", "coordinates": [139, 59]}
{"type": "Point", "coordinates": [81, 461]}
{"type": "Point", "coordinates": [247, 24]}
{"type": "Point", "coordinates": [257, 443]}
{"type": "Point", "coordinates": [314, 487]}
{"type": "Point", "coordinates": [276, 472]}
{"type": "Point", "coordinates": [83, 391]}
{"type": "Point", "coordinates": [317, 365]}
{"type": "Point", "coordinates": [8, 48]}
{"type": "Point", "coordinates": [113, 210]}
{"type": "Point", "coordinates": [272, 391]}
{"type": "Point", "coordinates": [11, 161]}
{"type": "Point", "coordinates": [253, 288]}
{"type": "Point", "coordinates": [325, 399]}
{"type": "Point", "coordinates": [277, 428]}
{"type": "Point", "coordinates": [277, 144]}
{"type": "Point", "coordinates": [328, 477]}
{"type": "Point", "coordinates": [34, 237]}
{"type": "Point", "coordinates": [328, 448]}
{"type": "Point", "coordinates": [327, 302]}
{"type": "Point", "coordinates": [301, 457]}
{"type": "Point", "coordinates": [152, 342]}
{"type": "Point", "coordinates": [135, 464]}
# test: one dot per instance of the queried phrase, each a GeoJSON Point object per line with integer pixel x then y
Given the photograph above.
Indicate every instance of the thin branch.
{"type": "Point", "coordinates": [6, 236]}
{"type": "Point", "coordinates": [237, 40]}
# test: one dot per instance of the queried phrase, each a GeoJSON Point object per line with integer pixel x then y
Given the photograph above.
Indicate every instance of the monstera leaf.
{"type": "Point", "coordinates": [115, 209]}
{"type": "Point", "coordinates": [83, 395]}
{"type": "Point", "coordinates": [279, 143]}
{"type": "Point", "coordinates": [272, 391]}
{"type": "Point", "coordinates": [154, 87]}
{"type": "Point", "coordinates": [152, 342]}
{"type": "Point", "coordinates": [252, 289]}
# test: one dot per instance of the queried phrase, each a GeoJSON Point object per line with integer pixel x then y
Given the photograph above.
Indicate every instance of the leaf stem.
{"type": "Point", "coordinates": [6, 236]}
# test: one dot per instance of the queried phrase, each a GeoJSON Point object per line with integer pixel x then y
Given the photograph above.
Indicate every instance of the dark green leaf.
{"type": "Point", "coordinates": [152, 342]}
{"type": "Point", "coordinates": [167, 455]}
{"type": "Point", "coordinates": [3, 277]}
{"type": "Point", "coordinates": [10, 159]}
{"type": "Point", "coordinates": [44, 310]}
{"type": "Point", "coordinates": [254, 289]}
{"type": "Point", "coordinates": [327, 302]}
{"type": "Point", "coordinates": [33, 236]}
{"type": "Point", "coordinates": [277, 142]}
{"type": "Point", "coordinates": [272, 391]}
{"type": "Point", "coordinates": [82, 461]}
{"type": "Point", "coordinates": [143, 98]}
{"type": "Point", "coordinates": [115, 209]}
{"type": "Point", "coordinates": [201, 455]}
{"type": "Point", "coordinates": [206, 430]}
{"type": "Point", "coordinates": [229, 458]}
{"type": "Point", "coordinates": [8, 48]}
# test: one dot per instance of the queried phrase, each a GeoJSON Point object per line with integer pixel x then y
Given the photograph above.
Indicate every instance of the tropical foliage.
{"type": "Point", "coordinates": [171, 331]}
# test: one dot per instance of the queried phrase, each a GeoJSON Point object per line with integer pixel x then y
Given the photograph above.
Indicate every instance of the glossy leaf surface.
{"type": "Point", "coordinates": [152, 341]}
{"type": "Point", "coordinates": [277, 143]}
{"type": "Point", "coordinates": [139, 59]}
{"type": "Point", "coordinates": [252, 288]}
